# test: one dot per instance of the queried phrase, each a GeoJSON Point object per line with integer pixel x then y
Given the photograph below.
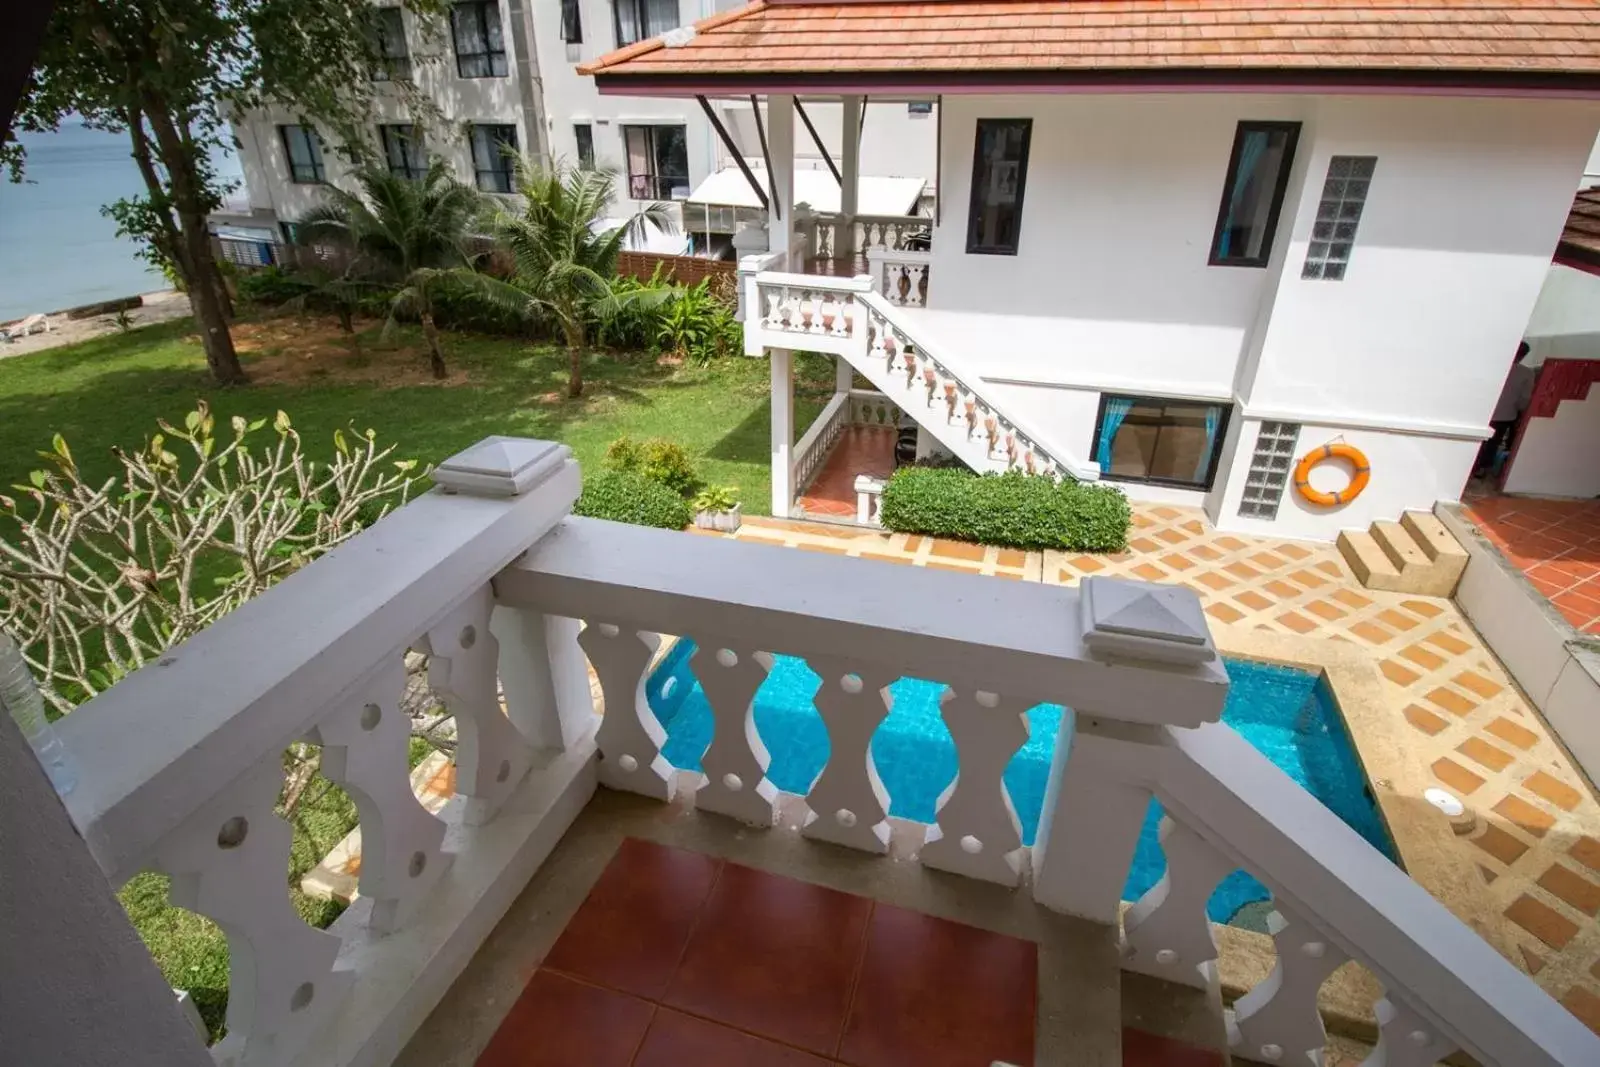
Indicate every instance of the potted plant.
{"type": "Point", "coordinates": [716, 508]}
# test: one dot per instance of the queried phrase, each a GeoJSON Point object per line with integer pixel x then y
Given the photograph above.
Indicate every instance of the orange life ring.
{"type": "Point", "coordinates": [1361, 474]}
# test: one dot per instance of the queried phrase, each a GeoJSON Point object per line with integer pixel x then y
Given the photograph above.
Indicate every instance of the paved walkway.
{"type": "Point", "coordinates": [1537, 842]}
{"type": "Point", "coordinates": [860, 450]}
{"type": "Point", "coordinates": [1556, 543]}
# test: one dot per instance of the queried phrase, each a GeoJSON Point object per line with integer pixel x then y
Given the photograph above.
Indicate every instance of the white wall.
{"type": "Point", "coordinates": [1560, 455]}
{"type": "Point", "coordinates": [1465, 209]}
{"type": "Point", "coordinates": [1566, 318]}
{"type": "Point", "coordinates": [460, 100]}
{"type": "Point", "coordinates": [1119, 208]}
{"type": "Point", "coordinates": [1410, 472]}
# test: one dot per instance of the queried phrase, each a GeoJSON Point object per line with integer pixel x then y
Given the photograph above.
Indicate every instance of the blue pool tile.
{"type": "Point", "coordinates": [1286, 713]}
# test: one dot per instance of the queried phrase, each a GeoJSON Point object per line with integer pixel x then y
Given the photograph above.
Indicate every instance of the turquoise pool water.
{"type": "Point", "coordinates": [1288, 714]}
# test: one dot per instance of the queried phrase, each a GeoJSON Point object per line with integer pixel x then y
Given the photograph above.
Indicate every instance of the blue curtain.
{"type": "Point", "coordinates": [1213, 420]}
{"type": "Point", "coordinates": [1117, 410]}
{"type": "Point", "coordinates": [1255, 146]}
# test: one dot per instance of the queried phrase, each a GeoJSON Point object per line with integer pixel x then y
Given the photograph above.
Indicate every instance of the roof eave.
{"type": "Point", "coordinates": [1432, 81]}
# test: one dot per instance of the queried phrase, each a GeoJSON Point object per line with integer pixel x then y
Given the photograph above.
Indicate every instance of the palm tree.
{"type": "Point", "coordinates": [564, 259]}
{"type": "Point", "coordinates": [412, 234]}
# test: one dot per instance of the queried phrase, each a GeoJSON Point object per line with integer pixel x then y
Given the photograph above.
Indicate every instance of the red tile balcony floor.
{"type": "Point", "coordinates": [1555, 543]}
{"type": "Point", "coordinates": [678, 958]}
{"type": "Point", "coordinates": [859, 450]}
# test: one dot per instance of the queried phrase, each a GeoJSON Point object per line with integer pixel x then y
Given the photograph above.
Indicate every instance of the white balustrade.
{"type": "Point", "coordinates": [814, 446]}
{"type": "Point", "coordinates": [193, 792]}
{"type": "Point", "coordinates": [900, 277]}
{"type": "Point", "coordinates": [805, 314]}
{"type": "Point", "coordinates": [871, 408]}
{"type": "Point", "coordinates": [976, 830]}
{"type": "Point", "coordinates": [488, 572]}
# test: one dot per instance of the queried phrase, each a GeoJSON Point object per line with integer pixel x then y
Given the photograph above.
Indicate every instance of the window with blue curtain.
{"type": "Point", "coordinates": [1252, 193]}
{"type": "Point", "coordinates": [1158, 441]}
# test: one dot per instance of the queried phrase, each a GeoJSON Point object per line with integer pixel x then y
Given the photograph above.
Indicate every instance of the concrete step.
{"type": "Point", "coordinates": [1372, 566]}
{"type": "Point", "coordinates": [1449, 558]}
{"type": "Point", "coordinates": [1403, 551]}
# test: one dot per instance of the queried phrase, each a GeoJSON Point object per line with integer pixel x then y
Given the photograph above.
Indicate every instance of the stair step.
{"type": "Point", "coordinates": [1401, 548]}
{"type": "Point", "coordinates": [1373, 568]}
{"type": "Point", "coordinates": [1436, 541]}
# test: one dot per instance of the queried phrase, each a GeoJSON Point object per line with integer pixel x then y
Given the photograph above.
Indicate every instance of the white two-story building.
{"type": "Point", "coordinates": [503, 76]}
{"type": "Point", "coordinates": [1180, 247]}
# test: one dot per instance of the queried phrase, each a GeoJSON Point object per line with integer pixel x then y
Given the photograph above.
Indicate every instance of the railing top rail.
{"type": "Point", "coordinates": [860, 284]}
{"type": "Point", "coordinates": [160, 743]}
{"type": "Point", "coordinates": [1218, 785]}
{"type": "Point", "coordinates": [875, 254]}
{"type": "Point", "coordinates": [1022, 638]}
{"type": "Point", "coordinates": [896, 317]}
{"type": "Point", "coordinates": [819, 425]}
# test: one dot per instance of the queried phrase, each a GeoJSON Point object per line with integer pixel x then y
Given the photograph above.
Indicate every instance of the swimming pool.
{"type": "Point", "coordinates": [1286, 713]}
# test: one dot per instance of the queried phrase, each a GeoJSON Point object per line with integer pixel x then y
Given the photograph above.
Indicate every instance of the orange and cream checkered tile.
{"type": "Point", "coordinates": [1537, 839]}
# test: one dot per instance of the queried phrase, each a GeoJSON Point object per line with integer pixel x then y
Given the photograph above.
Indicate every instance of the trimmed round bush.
{"type": "Point", "coordinates": [1013, 509]}
{"type": "Point", "coordinates": [623, 496]}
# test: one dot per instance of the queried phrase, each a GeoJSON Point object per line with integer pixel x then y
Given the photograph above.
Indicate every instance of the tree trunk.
{"type": "Point", "coordinates": [574, 361]}
{"type": "Point", "coordinates": [197, 263]}
{"type": "Point", "coordinates": [435, 353]}
{"type": "Point", "coordinates": [346, 323]}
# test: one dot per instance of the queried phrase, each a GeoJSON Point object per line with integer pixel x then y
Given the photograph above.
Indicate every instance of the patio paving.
{"type": "Point", "coordinates": [859, 450]}
{"type": "Point", "coordinates": [1537, 840]}
{"type": "Point", "coordinates": [1556, 545]}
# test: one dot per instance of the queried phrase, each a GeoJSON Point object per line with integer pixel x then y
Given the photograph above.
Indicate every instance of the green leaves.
{"type": "Point", "coordinates": [1013, 509]}
{"type": "Point", "coordinates": [624, 496]}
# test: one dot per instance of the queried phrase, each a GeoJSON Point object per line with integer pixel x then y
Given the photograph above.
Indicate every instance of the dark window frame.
{"type": "Point", "coordinates": [582, 132]}
{"type": "Point", "coordinates": [642, 10]}
{"type": "Point", "coordinates": [572, 21]}
{"type": "Point", "coordinates": [387, 67]}
{"type": "Point", "coordinates": [480, 10]}
{"type": "Point", "coordinates": [505, 165]}
{"type": "Point", "coordinates": [319, 167]}
{"type": "Point", "coordinates": [973, 247]}
{"type": "Point", "coordinates": [408, 168]}
{"type": "Point", "coordinates": [657, 181]}
{"type": "Point", "coordinates": [1279, 190]}
{"type": "Point", "coordinates": [1213, 462]}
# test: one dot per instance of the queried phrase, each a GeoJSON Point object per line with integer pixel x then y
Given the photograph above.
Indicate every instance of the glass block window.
{"type": "Point", "coordinates": [1270, 465]}
{"type": "Point", "coordinates": [1344, 195]}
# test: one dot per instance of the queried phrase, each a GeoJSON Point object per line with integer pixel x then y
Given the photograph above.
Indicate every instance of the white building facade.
{"type": "Point", "coordinates": [1185, 292]}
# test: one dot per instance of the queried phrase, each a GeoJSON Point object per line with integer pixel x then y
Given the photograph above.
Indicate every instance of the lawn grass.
{"type": "Point", "coordinates": [110, 391]}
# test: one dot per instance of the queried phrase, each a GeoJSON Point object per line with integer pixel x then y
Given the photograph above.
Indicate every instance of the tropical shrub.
{"type": "Point", "coordinates": [698, 325]}
{"type": "Point", "coordinates": [270, 286]}
{"type": "Point", "coordinates": [1013, 509]}
{"type": "Point", "coordinates": [661, 461]}
{"type": "Point", "coordinates": [637, 322]}
{"type": "Point", "coordinates": [627, 496]}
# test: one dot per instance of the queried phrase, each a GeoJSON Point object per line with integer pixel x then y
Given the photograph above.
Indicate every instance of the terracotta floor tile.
{"type": "Point", "coordinates": [773, 956]}
{"type": "Point", "coordinates": [908, 1013]}
{"type": "Point", "coordinates": [1371, 633]}
{"type": "Point", "coordinates": [957, 550]}
{"type": "Point", "coordinates": [631, 930]}
{"type": "Point", "coordinates": [1542, 921]}
{"type": "Point", "coordinates": [1423, 657]}
{"type": "Point", "coordinates": [1324, 610]}
{"type": "Point", "coordinates": [1351, 599]}
{"type": "Point", "coordinates": [1212, 580]}
{"type": "Point", "coordinates": [1477, 683]}
{"type": "Point", "coordinates": [1553, 789]}
{"type": "Point", "coordinates": [1398, 620]}
{"type": "Point", "coordinates": [1140, 1049]}
{"type": "Point", "coordinates": [1585, 1005]}
{"type": "Point", "coordinates": [1511, 733]}
{"type": "Point", "coordinates": [1500, 844]}
{"type": "Point", "coordinates": [1253, 600]}
{"type": "Point", "coordinates": [1297, 622]}
{"type": "Point", "coordinates": [1424, 720]}
{"type": "Point", "coordinates": [1480, 751]}
{"type": "Point", "coordinates": [1397, 673]}
{"type": "Point", "coordinates": [559, 1022]}
{"type": "Point", "coordinates": [1573, 888]}
{"type": "Point", "coordinates": [677, 1040]}
{"type": "Point", "coordinates": [1226, 613]}
{"type": "Point", "coordinates": [1452, 701]}
{"type": "Point", "coordinates": [1424, 608]}
{"type": "Point", "coordinates": [1586, 850]}
{"type": "Point", "coordinates": [1534, 820]}
{"type": "Point", "coordinates": [1455, 776]}
{"type": "Point", "coordinates": [1450, 643]}
{"type": "Point", "coordinates": [1177, 561]}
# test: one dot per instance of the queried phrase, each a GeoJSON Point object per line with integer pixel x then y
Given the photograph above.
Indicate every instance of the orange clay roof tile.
{"type": "Point", "coordinates": [817, 38]}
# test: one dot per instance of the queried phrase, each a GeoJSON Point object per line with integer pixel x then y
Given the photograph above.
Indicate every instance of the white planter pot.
{"type": "Point", "coordinates": [721, 521]}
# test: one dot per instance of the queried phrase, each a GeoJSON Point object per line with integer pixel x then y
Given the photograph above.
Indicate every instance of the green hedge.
{"type": "Point", "coordinates": [623, 496]}
{"type": "Point", "coordinates": [1013, 509]}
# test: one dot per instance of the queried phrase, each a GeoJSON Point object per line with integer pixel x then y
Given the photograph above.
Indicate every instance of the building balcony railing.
{"type": "Point", "coordinates": [489, 575]}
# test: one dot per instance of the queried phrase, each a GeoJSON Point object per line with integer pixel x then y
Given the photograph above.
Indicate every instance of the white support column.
{"type": "Point", "coordinates": [849, 172]}
{"type": "Point", "coordinates": [844, 375]}
{"type": "Point", "coordinates": [782, 431]}
{"type": "Point", "coordinates": [780, 147]}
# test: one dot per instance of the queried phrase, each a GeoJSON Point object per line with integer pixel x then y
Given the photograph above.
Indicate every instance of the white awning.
{"type": "Point", "coordinates": [875, 196]}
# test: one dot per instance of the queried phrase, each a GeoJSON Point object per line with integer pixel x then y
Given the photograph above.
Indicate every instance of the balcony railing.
{"type": "Point", "coordinates": [180, 764]}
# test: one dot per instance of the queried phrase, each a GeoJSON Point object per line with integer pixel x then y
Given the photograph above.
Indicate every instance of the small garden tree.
{"type": "Point", "coordinates": [411, 234]}
{"type": "Point", "coordinates": [104, 576]}
{"type": "Point", "coordinates": [564, 256]}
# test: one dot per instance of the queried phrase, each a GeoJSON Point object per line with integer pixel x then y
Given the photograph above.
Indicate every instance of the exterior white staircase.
{"type": "Point", "coordinates": [1415, 555]}
{"type": "Point", "coordinates": [844, 317]}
